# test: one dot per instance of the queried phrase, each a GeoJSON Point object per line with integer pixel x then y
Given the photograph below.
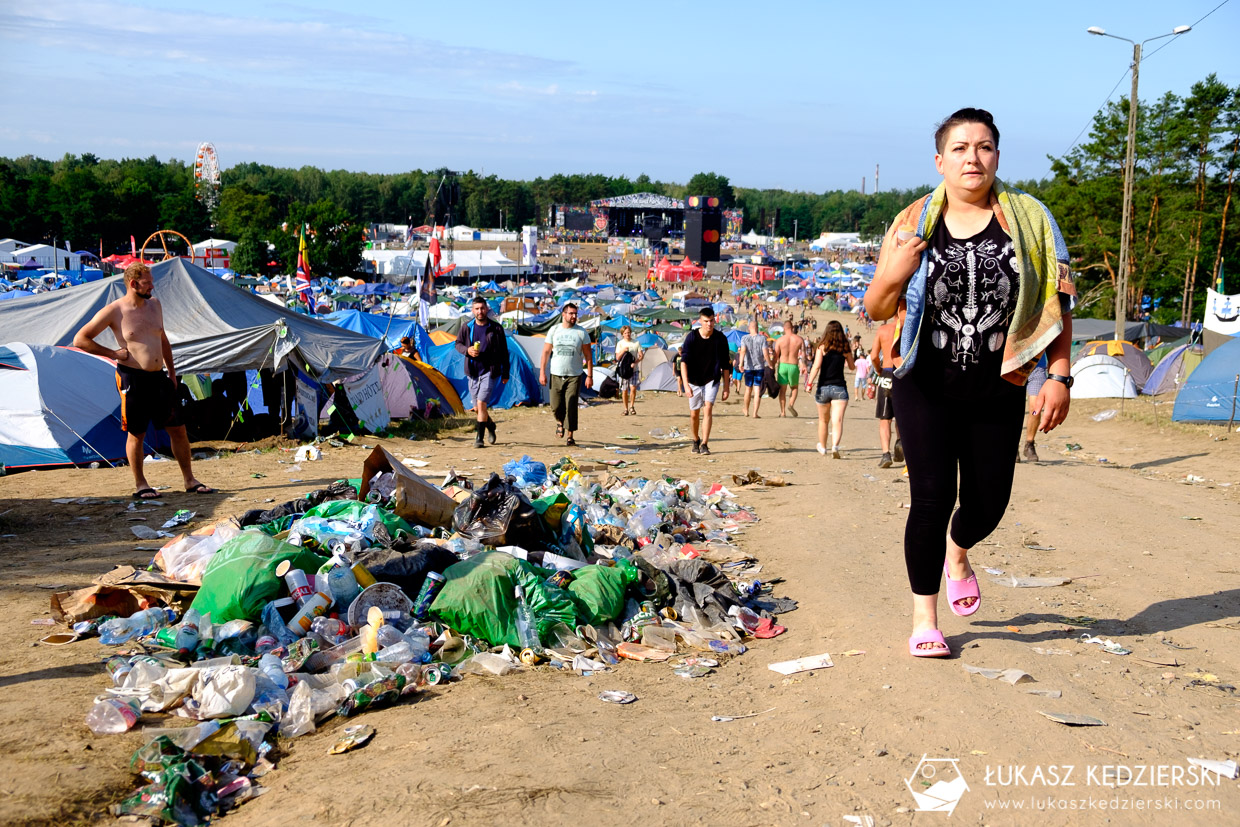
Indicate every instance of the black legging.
{"type": "Point", "coordinates": [940, 437]}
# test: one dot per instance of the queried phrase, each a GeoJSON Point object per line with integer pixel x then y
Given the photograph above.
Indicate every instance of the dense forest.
{"type": "Point", "coordinates": [1182, 203]}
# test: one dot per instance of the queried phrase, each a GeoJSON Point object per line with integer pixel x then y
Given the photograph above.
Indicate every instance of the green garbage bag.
{"type": "Point", "coordinates": [552, 508]}
{"type": "Point", "coordinates": [241, 577]}
{"type": "Point", "coordinates": [479, 598]}
{"type": "Point", "coordinates": [598, 591]}
{"type": "Point", "coordinates": [351, 510]}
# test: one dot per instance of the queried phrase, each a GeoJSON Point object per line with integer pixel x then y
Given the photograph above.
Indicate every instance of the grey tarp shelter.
{"type": "Point", "coordinates": [213, 326]}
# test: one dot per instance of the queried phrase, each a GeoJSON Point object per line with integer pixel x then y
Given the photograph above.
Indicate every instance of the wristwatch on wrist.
{"type": "Point", "coordinates": [1067, 380]}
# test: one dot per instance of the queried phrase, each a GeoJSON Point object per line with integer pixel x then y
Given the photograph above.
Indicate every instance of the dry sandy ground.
{"type": "Point", "coordinates": [1152, 558]}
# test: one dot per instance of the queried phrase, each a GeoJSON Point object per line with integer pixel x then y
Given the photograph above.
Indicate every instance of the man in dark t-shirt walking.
{"type": "Point", "coordinates": [705, 363]}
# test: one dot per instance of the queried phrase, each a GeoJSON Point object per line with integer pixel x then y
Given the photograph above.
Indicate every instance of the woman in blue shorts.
{"type": "Point", "coordinates": [826, 378]}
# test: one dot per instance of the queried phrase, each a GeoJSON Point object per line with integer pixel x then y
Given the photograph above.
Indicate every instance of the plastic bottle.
{"type": "Point", "coordinates": [116, 632]}
{"type": "Point", "coordinates": [527, 627]}
{"type": "Point", "coordinates": [370, 632]}
{"type": "Point", "coordinates": [273, 668]}
{"type": "Point", "coordinates": [368, 520]}
{"type": "Point", "coordinates": [188, 637]}
{"type": "Point", "coordinates": [332, 630]}
{"type": "Point", "coordinates": [112, 716]}
{"type": "Point", "coordinates": [342, 582]}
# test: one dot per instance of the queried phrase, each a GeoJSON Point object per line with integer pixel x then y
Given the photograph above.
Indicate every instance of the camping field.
{"type": "Point", "coordinates": [1141, 518]}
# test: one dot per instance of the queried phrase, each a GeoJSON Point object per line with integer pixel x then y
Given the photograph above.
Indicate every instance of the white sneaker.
{"type": "Point", "coordinates": [821, 449]}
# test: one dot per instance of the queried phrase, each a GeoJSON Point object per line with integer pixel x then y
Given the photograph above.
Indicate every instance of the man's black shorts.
{"type": "Point", "coordinates": [883, 407]}
{"type": "Point", "coordinates": [148, 397]}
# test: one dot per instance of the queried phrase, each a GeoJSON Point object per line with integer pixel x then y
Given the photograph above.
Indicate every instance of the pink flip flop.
{"type": "Point", "coordinates": [959, 590]}
{"type": "Point", "coordinates": [928, 636]}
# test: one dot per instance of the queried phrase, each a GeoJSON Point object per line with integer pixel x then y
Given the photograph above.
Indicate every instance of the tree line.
{"type": "Point", "coordinates": [1182, 200]}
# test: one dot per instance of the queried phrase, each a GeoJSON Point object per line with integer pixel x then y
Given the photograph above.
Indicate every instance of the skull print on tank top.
{"type": "Point", "coordinates": [971, 295]}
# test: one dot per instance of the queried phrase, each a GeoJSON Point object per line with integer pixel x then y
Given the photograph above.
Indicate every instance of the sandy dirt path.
{"type": "Point", "coordinates": [1153, 560]}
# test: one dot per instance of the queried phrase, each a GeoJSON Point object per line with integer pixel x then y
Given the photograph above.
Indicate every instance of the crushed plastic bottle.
{"type": "Point", "coordinates": [527, 628]}
{"type": "Point", "coordinates": [141, 624]}
{"type": "Point", "coordinates": [112, 716]}
{"type": "Point", "coordinates": [273, 668]}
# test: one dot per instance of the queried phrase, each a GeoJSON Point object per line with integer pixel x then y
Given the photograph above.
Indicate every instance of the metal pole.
{"type": "Point", "coordinates": [1234, 389]}
{"type": "Point", "coordinates": [1121, 278]}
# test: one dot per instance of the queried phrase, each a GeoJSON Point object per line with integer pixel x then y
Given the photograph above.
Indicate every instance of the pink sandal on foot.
{"type": "Point", "coordinates": [960, 590]}
{"type": "Point", "coordinates": [928, 636]}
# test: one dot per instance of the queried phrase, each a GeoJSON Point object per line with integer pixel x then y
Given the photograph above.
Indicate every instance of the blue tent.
{"type": "Point", "coordinates": [649, 339]}
{"type": "Point", "coordinates": [374, 325]}
{"type": "Point", "coordinates": [57, 407]}
{"type": "Point", "coordinates": [1209, 393]}
{"type": "Point", "coordinates": [522, 387]}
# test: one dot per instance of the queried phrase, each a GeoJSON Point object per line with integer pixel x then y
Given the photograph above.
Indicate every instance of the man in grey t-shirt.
{"type": "Point", "coordinates": [753, 357]}
{"type": "Point", "coordinates": [568, 349]}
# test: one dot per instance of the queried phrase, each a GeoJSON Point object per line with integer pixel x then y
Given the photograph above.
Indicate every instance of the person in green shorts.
{"type": "Point", "coordinates": [789, 357]}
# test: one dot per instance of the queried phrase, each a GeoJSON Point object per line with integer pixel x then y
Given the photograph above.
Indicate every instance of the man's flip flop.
{"type": "Point", "coordinates": [200, 488]}
{"type": "Point", "coordinates": [559, 430]}
{"type": "Point", "coordinates": [928, 636]}
{"type": "Point", "coordinates": [145, 494]}
{"type": "Point", "coordinates": [961, 589]}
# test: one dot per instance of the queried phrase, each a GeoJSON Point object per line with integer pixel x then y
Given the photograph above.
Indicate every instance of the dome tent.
{"type": "Point", "coordinates": [1173, 369]}
{"type": "Point", "coordinates": [58, 406]}
{"type": "Point", "coordinates": [1209, 395]}
{"type": "Point", "coordinates": [1126, 353]}
{"type": "Point", "coordinates": [1102, 377]}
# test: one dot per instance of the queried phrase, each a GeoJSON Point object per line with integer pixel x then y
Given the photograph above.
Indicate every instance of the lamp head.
{"type": "Point", "coordinates": [1181, 29]}
{"type": "Point", "coordinates": [1096, 30]}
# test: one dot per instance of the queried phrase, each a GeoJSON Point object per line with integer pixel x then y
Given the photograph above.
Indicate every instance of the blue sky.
{"type": "Point", "coordinates": [794, 95]}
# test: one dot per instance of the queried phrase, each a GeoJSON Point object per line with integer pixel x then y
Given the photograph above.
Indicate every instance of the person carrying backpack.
{"type": "Point", "coordinates": [628, 355]}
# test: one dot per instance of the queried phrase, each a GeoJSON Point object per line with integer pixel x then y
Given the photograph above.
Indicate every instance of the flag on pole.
{"type": "Point", "coordinates": [1218, 283]}
{"type": "Point", "coordinates": [426, 291]}
{"type": "Point", "coordinates": [303, 272]}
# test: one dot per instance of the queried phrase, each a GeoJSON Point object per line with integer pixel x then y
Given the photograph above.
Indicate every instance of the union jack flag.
{"type": "Point", "coordinates": [302, 284]}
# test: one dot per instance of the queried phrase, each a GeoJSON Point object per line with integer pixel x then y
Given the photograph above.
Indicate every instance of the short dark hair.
{"type": "Point", "coordinates": [573, 305]}
{"type": "Point", "coordinates": [966, 115]}
{"type": "Point", "coordinates": [707, 312]}
{"type": "Point", "coordinates": [479, 300]}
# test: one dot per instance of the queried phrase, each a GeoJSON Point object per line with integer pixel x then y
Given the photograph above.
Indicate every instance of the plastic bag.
{"type": "Point", "coordinates": [185, 557]}
{"type": "Point", "coordinates": [479, 598]}
{"type": "Point", "coordinates": [598, 591]}
{"type": "Point", "coordinates": [485, 663]}
{"type": "Point", "coordinates": [498, 514]}
{"type": "Point", "coordinates": [351, 511]}
{"type": "Point", "coordinates": [526, 472]}
{"type": "Point", "coordinates": [241, 577]}
{"type": "Point", "coordinates": [300, 716]}
{"type": "Point", "coordinates": [224, 692]}
{"type": "Point", "coordinates": [407, 569]}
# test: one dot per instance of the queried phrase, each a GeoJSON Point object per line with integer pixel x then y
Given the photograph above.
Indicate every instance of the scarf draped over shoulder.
{"type": "Point", "coordinates": [1047, 289]}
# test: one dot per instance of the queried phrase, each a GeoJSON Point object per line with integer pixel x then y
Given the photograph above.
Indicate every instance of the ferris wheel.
{"type": "Point", "coordinates": [207, 175]}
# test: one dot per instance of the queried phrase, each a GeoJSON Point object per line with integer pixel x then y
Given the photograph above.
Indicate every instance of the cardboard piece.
{"type": "Point", "coordinates": [415, 499]}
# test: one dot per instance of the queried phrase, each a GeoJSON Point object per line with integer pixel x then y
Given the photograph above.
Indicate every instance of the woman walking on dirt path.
{"type": "Point", "coordinates": [826, 380]}
{"type": "Point", "coordinates": [629, 355]}
{"type": "Point", "coordinates": [984, 270]}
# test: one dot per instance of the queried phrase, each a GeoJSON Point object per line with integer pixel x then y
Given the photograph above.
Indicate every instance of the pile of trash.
{"type": "Point", "coordinates": [373, 590]}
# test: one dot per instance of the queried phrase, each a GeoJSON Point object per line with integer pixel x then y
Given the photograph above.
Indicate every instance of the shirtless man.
{"type": "Point", "coordinates": [145, 377]}
{"type": "Point", "coordinates": [789, 357]}
{"type": "Point", "coordinates": [883, 363]}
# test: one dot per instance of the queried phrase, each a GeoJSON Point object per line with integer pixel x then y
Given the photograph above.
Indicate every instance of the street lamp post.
{"type": "Point", "coordinates": [1121, 278]}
